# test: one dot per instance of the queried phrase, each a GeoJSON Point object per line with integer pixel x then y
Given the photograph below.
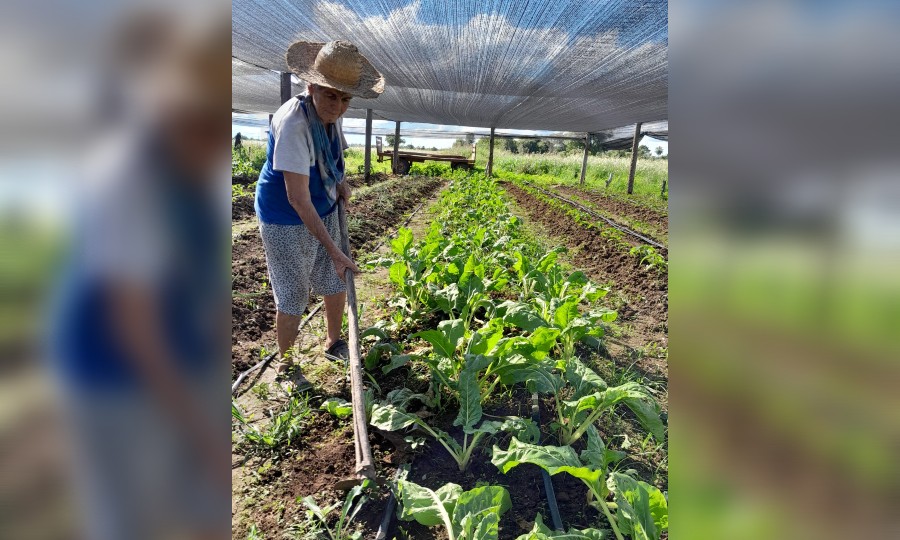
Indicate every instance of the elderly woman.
{"type": "Point", "coordinates": [299, 188]}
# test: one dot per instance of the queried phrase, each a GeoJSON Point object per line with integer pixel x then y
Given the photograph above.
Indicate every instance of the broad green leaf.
{"type": "Point", "coordinates": [605, 315]}
{"type": "Point", "coordinates": [522, 315]}
{"type": "Point", "coordinates": [577, 278]}
{"type": "Point", "coordinates": [398, 273]}
{"type": "Point", "coordinates": [373, 356]}
{"type": "Point", "coordinates": [374, 331]}
{"type": "Point", "coordinates": [477, 505]}
{"type": "Point", "coordinates": [542, 532]}
{"type": "Point", "coordinates": [583, 379]}
{"type": "Point", "coordinates": [446, 338]}
{"type": "Point", "coordinates": [566, 313]}
{"type": "Point", "coordinates": [397, 361]}
{"type": "Point", "coordinates": [469, 400]}
{"type": "Point", "coordinates": [548, 260]}
{"type": "Point", "coordinates": [401, 397]}
{"type": "Point", "coordinates": [643, 510]}
{"type": "Point", "coordinates": [454, 329]}
{"type": "Point", "coordinates": [488, 527]}
{"type": "Point", "coordinates": [596, 454]}
{"type": "Point", "coordinates": [391, 418]}
{"type": "Point", "coordinates": [539, 376]}
{"type": "Point", "coordinates": [608, 397]}
{"type": "Point", "coordinates": [425, 506]}
{"type": "Point", "coordinates": [523, 429]}
{"type": "Point", "coordinates": [486, 338]}
{"type": "Point", "coordinates": [553, 459]}
{"type": "Point", "coordinates": [647, 411]}
{"type": "Point", "coordinates": [543, 340]}
{"type": "Point", "coordinates": [403, 242]}
{"type": "Point", "coordinates": [519, 265]}
{"type": "Point", "coordinates": [447, 299]}
{"type": "Point", "coordinates": [337, 407]}
{"type": "Point", "coordinates": [468, 271]}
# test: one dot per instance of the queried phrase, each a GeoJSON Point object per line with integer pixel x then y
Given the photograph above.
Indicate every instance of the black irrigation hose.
{"type": "Point", "coordinates": [604, 218]}
{"type": "Point", "coordinates": [548, 484]}
{"type": "Point", "coordinates": [391, 504]}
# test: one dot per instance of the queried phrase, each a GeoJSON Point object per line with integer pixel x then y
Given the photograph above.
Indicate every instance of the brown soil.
{"type": "Point", "coordinates": [313, 465]}
{"type": "Point", "coordinates": [242, 208]}
{"type": "Point", "coordinates": [619, 208]}
{"type": "Point", "coordinates": [647, 298]}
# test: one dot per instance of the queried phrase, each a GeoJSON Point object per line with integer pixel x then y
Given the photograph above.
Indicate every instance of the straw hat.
{"type": "Point", "coordinates": [336, 64]}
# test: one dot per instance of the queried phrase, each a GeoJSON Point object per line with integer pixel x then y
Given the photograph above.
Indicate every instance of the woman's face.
{"type": "Point", "coordinates": [330, 103]}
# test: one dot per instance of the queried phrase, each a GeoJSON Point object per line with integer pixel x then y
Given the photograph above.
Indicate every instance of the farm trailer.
{"type": "Point", "coordinates": [405, 158]}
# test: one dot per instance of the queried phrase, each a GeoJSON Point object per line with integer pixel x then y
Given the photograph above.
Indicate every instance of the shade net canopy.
{"type": "Point", "coordinates": [567, 65]}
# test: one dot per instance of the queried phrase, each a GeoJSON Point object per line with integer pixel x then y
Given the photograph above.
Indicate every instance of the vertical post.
{"type": "Point", "coordinates": [396, 159]}
{"type": "Point", "coordinates": [663, 190]}
{"type": "Point", "coordinates": [270, 121]}
{"type": "Point", "coordinates": [368, 157]}
{"type": "Point", "coordinates": [587, 146]}
{"type": "Point", "coordinates": [285, 87]}
{"type": "Point", "coordinates": [490, 161]}
{"type": "Point", "coordinates": [634, 151]}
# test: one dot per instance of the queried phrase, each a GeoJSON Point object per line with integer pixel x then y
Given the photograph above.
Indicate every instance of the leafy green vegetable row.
{"type": "Point", "coordinates": [507, 320]}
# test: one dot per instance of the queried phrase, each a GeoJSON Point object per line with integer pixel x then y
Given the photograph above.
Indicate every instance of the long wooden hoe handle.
{"type": "Point", "coordinates": [364, 464]}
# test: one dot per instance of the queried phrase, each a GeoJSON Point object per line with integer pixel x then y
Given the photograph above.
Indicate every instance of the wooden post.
{"type": "Point", "coordinates": [395, 161]}
{"type": "Point", "coordinates": [285, 87]}
{"type": "Point", "coordinates": [634, 153]}
{"type": "Point", "coordinates": [587, 147]}
{"type": "Point", "coordinates": [270, 121]}
{"type": "Point", "coordinates": [663, 190]}
{"type": "Point", "coordinates": [368, 157]}
{"type": "Point", "coordinates": [490, 161]}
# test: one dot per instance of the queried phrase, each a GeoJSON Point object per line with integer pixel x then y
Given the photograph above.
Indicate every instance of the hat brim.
{"type": "Point", "coordinates": [301, 57]}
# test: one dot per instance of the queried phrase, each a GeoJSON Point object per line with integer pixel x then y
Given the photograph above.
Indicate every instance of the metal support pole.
{"type": "Point", "coordinates": [587, 146]}
{"type": "Point", "coordinates": [634, 151]}
{"type": "Point", "coordinates": [490, 162]}
{"type": "Point", "coordinates": [396, 159]}
{"type": "Point", "coordinates": [285, 87]}
{"type": "Point", "coordinates": [368, 158]}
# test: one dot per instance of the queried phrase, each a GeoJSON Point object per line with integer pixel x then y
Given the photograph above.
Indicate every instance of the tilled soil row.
{"type": "Point", "coordinates": [603, 261]}
{"type": "Point", "coordinates": [618, 208]}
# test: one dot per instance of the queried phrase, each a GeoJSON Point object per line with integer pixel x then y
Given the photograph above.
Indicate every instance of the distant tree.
{"type": "Point", "coordinates": [643, 151]}
{"type": "Point", "coordinates": [659, 151]}
{"type": "Point", "coordinates": [470, 138]}
{"type": "Point", "coordinates": [510, 145]}
{"type": "Point", "coordinates": [530, 146]}
{"type": "Point", "coordinates": [390, 140]}
{"type": "Point", "coordinates": [543, 147]}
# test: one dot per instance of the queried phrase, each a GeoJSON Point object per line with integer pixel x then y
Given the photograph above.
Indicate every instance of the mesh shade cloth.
{"type": "Point", "coordinates": [567, 65]}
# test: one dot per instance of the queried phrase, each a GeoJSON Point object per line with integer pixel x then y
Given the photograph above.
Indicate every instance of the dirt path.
{"type": "Point", "coordinates": [643, 293]}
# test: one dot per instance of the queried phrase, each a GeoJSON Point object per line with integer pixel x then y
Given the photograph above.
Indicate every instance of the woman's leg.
{"type": "Point", "coordinates": [334, 315]}
{"type": "Point", "coordinates": [286, 330]}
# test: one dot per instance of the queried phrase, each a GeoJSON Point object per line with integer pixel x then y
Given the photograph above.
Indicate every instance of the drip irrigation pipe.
{"type": "Point", "coordinates": [611, 223]}
{"type": "Point", "coordinates": [402, 470]}
{"type": "Point", "coordinates": [548, 484]}
{"type": "Point", "coordinates": [265, 361]}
